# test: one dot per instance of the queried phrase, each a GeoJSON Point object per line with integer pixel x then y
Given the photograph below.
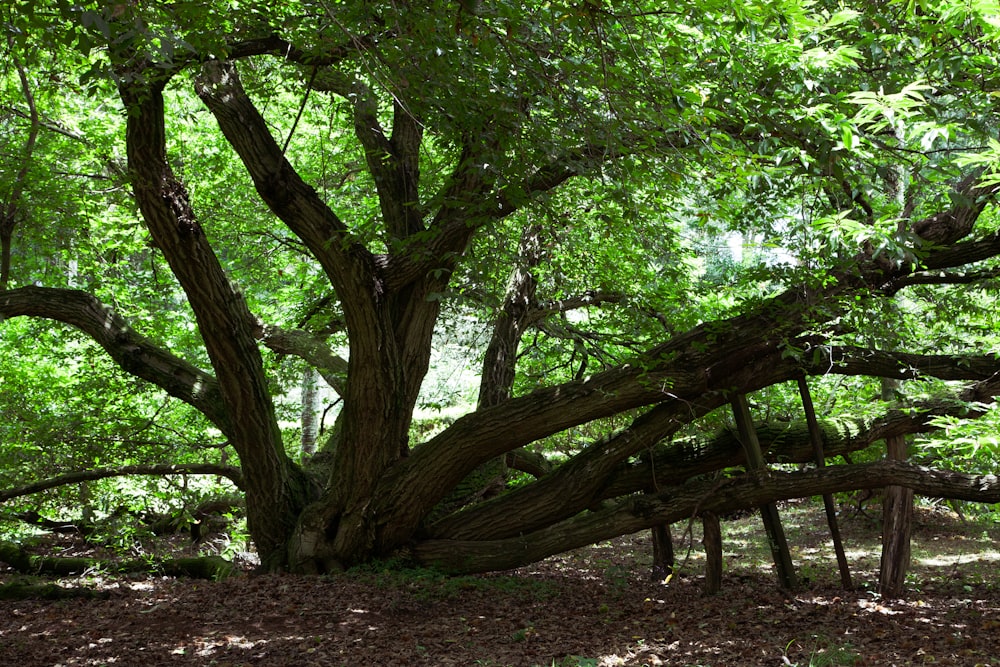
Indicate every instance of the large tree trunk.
{"type": "Point", "coordinates": [388, 308]}
{"type": "Point", "coordinates": [275, 489]}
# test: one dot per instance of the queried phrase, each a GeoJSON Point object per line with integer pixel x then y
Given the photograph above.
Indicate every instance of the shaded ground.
{"type": "Point", "coordinates": [595, 606]}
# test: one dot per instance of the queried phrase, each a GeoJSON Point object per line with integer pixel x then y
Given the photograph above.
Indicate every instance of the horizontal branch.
{"type": "Point", "coordinates": [946, 227]}
{"type": "Point", "coordinates": [947, 278]}
{"type": "Point", "coordinates": [600, 471]}
{"type": "Point", "coordinates": [964, 253]}
{"type": "Point", "coordinates": [642, 512]}
{"type": "Point", "coordinates": [589, 298]}
{"type": "Point", "coordinates": [310, 349]}
{"type": "Point", "coordinates": [848, 360]}
{"type": "Point", "coordinates": [134, 354]}
{"type": "Point", "coordinates": [235, 475]}
{"type": "Point", "coordinates": [276, 45]}
{"type": "Point", "coordinates": [579, 482]}
{"type": "Point", "coordinates": [675, 463]}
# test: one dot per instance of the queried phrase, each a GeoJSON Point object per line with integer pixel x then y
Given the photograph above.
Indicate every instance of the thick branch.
{"type": "Point", "coordinates": [393, 162]}
{"type": "Point", "coordinates": [529, 462]}
{"type": "Point", "coordinates": [576, 484]}
{"type": "Point", "coordinates": [679, 461]}
{"type": "Point", "coordinates": [469, 202]}
{"type": "Point", "coordinates": [846, 360]}
{"type": "Point", "coordinates": [279, 488]}
{"type": "Point", "coordinates": [463, 208]}
{"type": "Point", "coordinates": [966, 252]}
{"type": "Point", "coordinates": [642, 512]}
{"type": "Point", "coordinates": [277, 182]}
{"type": "Point", "coordinates": [500, 360]}
{"type": "Point", "coordinates": [693, 369]}
{"type": "Point", "coordinates": [947, 227]}
{"type": "Point", "coordinates": [277, 46]}
{"type": "Point", "coordinates": [311, 349]}
{"type": "Point", "coordinates": [235, 475]}
{"type": "Point", "coordinates": [947, 278]}
{"type": "Point", "coordinates": [134, 353]}
{"type": "Point", "coordinates": [589, 298]}
{"type": "Point", "coordinates": [599, 471]}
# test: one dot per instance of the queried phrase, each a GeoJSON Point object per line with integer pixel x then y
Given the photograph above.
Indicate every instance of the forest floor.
{"type": "Point", "coordinates": [594, 606]}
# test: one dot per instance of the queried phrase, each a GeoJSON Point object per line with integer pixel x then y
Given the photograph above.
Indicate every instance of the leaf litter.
{"type": "Point", "coordinates": [594, 606]}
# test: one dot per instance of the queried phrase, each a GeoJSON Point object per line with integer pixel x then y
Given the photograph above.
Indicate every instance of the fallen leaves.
{"type": "Point", "coordinates": [593, 607]}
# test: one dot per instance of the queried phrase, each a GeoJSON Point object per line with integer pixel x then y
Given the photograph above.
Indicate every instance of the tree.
{"type": "Point", "coordinates": [402, 156]}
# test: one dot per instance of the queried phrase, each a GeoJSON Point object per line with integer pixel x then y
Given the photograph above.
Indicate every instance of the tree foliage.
{"type": "Point", "coordinates": [629, 212]}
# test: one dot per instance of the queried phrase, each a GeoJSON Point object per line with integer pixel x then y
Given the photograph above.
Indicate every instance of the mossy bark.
{"type": "Point", "coordinates": [198, 567]}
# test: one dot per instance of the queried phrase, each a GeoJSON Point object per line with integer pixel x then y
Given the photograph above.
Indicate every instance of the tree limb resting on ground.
{"type": "Point", "coordinates": [235, 475]}
{"type": "Point", "coordinates": [199, 567]}
{"type": "Point", "coordinates": [641, 512]}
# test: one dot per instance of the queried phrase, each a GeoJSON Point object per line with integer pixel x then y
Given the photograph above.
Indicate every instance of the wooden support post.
{"type": "Point", "coordinates": [897, 515]}
{"type": "Point", "coordinates": [769, 512]}
{"type": "Point", "coordinates": [663, 545]}
{"type": "Point", "coordinates": [831, 511]}
{"type": "Point", "coordinates": [897, 524]}
{"type": "Point", "coordinates": [712, 541]}
{"type": "Point", "coordinates": [663, 552]}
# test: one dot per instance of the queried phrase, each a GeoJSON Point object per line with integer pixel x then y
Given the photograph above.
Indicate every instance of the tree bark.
{"type": "Point", "coordinates": [389, 324]}
{"type": "Point", "coordinates": [309, 413]}
{"type": "Point", "coordinates": [601, 472]}
{"type": "Point", "coordinates": [276, 490]}
{"type": "Point", "coordinates": [641, 512]}
{"type": "Point", "coordinates": [816, 437]}
{"type": "Point", "coordinates": [712, 541]}
{"type": "Point", "coordinates": [897, 525]}
{"type": "Point", "coordinates": [757, 467]}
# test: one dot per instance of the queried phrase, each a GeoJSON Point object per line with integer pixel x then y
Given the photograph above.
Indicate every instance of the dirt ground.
{"type": "Point", "coordinates": [595, 606]}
